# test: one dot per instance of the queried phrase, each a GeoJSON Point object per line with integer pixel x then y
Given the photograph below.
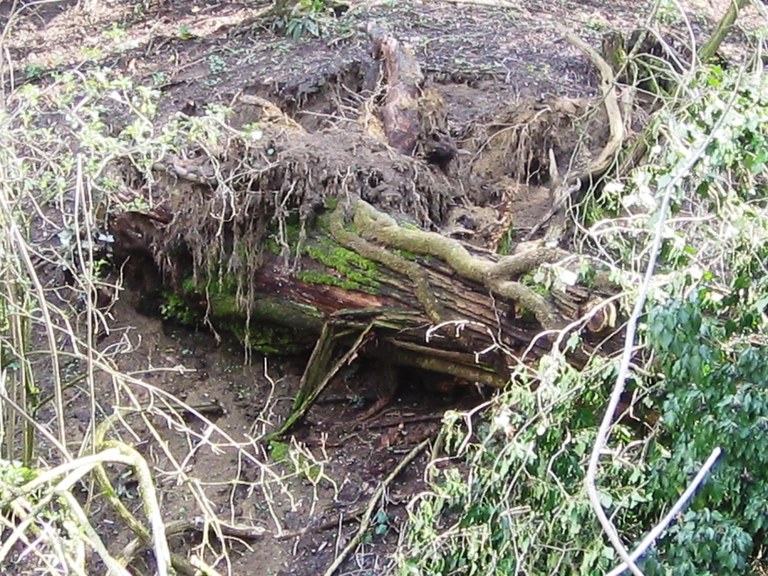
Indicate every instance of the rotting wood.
{"type": "Point", "coordinates": [337, 236]}
{"type": "Point", "coordinates": [400, 112]}
{"type": "Point", "coordinates": [441, 279]}
{"type": "Point", "coordinates": [413, 115]}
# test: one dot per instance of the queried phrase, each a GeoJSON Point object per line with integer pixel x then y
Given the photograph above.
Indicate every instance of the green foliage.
{"type": "Point", "coordinates": [12, 476]}
{"type": "Point", "coordinates": [700, 543]}
{"type": "Point", "coordinates": [735, 109]}
{"type": "Point", "coordinates": [305, 17]}
{"type": "Point", "coordinates": [521, 507]}
{"type": "Point", "coordinates": [715, 395]}
{"type": "Point", "coordinates": [176, 308]}
{"type": "Point", "coordinates": [726, 114]}
{"type": "Point", "coordinates": [705, 328]}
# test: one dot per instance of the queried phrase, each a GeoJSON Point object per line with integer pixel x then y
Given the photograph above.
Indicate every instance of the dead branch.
{"type": "Point", "coordinates": [365, 521]}
{"type": "Point", "coordinates": [711, 46]}
{"type": "Point", "coordinates": [400, 112]}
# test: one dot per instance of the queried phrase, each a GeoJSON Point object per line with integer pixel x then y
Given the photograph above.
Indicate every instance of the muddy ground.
{"type": "Point", "coordinates": [480, 56]}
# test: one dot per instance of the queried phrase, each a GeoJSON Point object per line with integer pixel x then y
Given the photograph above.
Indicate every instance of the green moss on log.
{"type": "Point", "coordinates": [354, 271]}
{"type": "Point", "coordinates": [263, 323]}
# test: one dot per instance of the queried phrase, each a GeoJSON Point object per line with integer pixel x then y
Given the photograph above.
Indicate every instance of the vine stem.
{"type": "Point", "coordinates": [599, 447]}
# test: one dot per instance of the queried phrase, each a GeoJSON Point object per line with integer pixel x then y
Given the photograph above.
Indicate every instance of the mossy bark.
{"type": "Point", "coordinates": [359, 270]}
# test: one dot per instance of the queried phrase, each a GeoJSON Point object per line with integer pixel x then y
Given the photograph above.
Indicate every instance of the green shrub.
{"type": "Point", "coordinates": [521, 506]}
{"type": "Point", "coordinates": [716, 394]}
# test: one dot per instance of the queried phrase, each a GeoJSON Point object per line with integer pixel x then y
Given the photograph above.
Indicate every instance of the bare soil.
{"type": "Point", "coordinates": [482, 59]}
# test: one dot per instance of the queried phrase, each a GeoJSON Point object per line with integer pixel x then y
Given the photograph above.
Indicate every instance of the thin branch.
{"type": "Point", "coordinates": [372, 503]}
{"type": "Point", "coordinates": [624, 367]}
{"type": "Point", "coordinates": [710, 47]}
{"type": "Point", "coordinates": [650, 539]}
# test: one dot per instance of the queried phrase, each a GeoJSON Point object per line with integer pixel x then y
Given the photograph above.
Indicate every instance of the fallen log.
{"type": "Point", "coordinates": [360, 270]}
{"type": "Point", "coordinates": [343, 242]}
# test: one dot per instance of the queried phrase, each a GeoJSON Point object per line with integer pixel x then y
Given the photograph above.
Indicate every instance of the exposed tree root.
{"type": "Point", "coordinates": [565, 187]}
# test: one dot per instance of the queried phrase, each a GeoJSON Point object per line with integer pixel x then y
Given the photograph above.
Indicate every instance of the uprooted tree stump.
{"type": "Point", "coordinates": [379, 236]}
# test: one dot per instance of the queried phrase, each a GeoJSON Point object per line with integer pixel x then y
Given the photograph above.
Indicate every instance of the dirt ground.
{"type": "Point", "coordinates": [480, 56]}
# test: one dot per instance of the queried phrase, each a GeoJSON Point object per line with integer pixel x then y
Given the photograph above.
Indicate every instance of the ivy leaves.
{"type": "Point", "coordinates": [715, 394]}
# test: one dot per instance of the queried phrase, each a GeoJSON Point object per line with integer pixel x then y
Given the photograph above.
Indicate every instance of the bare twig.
{"type": "Point", "coordinates": [370, 509]}
{"type": "Point", "coordinates": [624, 366]}
{"type": "Point", "coordinates": [649, 540]}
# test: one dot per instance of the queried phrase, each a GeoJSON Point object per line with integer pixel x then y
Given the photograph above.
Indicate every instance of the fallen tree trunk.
{"type": "Point", "coordinates": [359, 268]}
{"type": "Point", "coordinates": [366, 285]}
{"type": "Point", "coordinates": [349, 245]}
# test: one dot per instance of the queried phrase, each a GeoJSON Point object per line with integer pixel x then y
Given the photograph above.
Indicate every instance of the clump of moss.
{"type": "Point", "coordinates": [355, 272]}
{"type": "Point", "coordinates": [279, 450]}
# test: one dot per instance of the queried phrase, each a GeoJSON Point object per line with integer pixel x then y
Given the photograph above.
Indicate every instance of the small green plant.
{"type": "Point", "coordinates": [91, 52]}
{"type": "Point", "coordinates": [184, 33]}
{"type": "Point", "coordinates": [301, 26]}
{"type": "Point", "coordinates": [279, 451]}
{"type": "Point", "coordinates": [34, 71]}
{"type": "Point", "coordinates": [159, 79]}
{"type": "Point", "coordinates": [306, 17]}
{"type": "Point", "coordinates": [596, 24]}
{"type": "Point", "coordinates": [217, 65]}
{"type": "Point", "coordinates": [381, 523]}
{"type": "Point", "coordinates": [116, 33]}
{"type": "Point", "coordinates": [176, 309]}
{"type": "Point", "coordinates": [138, 204]}
{"type": "Point", "coordinates": [668, 12]}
